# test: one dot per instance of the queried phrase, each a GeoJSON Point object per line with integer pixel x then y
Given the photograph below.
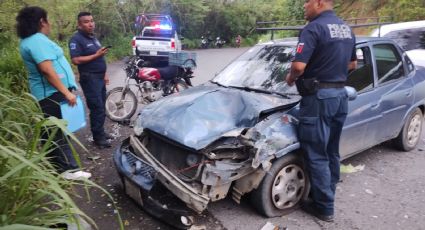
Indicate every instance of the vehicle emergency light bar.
{"type": "Point", "coordinates": [355, 23]}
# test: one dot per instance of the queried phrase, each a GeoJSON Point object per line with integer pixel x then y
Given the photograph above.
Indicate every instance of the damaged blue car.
{"type": "Point", "coordinates": [237, 133]}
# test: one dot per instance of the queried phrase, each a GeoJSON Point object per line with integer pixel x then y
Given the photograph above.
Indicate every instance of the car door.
{"type": "Point", "coordinates": [395, 89]}
{"type": "Point", "coordinates": [364, 113]}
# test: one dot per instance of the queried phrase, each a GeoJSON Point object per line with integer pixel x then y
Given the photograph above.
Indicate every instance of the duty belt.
{"type": "Point", "coordinates": [328, 85]}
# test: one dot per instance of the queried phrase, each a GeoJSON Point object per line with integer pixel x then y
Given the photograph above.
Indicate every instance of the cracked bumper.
{"type": "Point", "coordinates": [140, 173]}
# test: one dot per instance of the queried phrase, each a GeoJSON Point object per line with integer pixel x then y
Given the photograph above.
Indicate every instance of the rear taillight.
{"type": "Point", "coordinates": [173, 44]}
{"type": "Point", "coordinates": [133, 42]}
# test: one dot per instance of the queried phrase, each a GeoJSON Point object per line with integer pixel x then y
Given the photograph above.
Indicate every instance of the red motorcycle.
{"type": "Point", "coordinates": [150, 83]}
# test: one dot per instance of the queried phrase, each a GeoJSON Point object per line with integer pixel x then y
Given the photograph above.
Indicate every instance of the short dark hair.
{"type": "Point", "coordinates": [82, 14]}
{"type": "Point", "coordinates": [28, 21]}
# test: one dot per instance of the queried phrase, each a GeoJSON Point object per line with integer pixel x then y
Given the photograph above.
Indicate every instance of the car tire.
{"type": "Point", "coordinates": [410, 133]}
{"type": "Point", "coordinates": [116, 101]}
{"type": "Point", "coordinates": [283, 188]}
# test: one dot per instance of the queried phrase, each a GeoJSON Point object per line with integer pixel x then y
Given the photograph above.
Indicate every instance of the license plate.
{"type": "Point", "coordinates": [133, 191]}
{"type": "Point", "coordinates": [153, 52]}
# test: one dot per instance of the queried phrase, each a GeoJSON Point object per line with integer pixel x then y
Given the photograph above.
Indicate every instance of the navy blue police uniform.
{"type": "Point", "coordinates": [92, 82]}
{"type": "Point", "coordinates": [326, 45]}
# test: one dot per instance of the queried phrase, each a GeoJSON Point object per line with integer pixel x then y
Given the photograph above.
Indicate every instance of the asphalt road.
{"type": "Point", "coordinates": [389, 193]}
{"type": "Point", "coordinates": [209, 62]}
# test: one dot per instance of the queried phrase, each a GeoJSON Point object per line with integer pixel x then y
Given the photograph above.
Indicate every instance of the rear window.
{"type": "Point", "coordinates": [154, 26]}
{"type": "Point", "coordinates": [388, 62]}
{"type": "Point", "coordinates": [157, 33]}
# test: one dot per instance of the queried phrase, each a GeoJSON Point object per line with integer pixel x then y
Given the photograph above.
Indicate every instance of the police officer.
{"type": "Point", "coordinates": [87, 53]}
{"type": "Point", "coordinates": [325, 53]}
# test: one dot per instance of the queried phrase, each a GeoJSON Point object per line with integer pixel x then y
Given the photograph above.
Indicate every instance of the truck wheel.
{"type": "Point", "coordinates": [120, 104]}
{"type": "Point", "coordinates": [283, 187]}
{"type": "Point", "coordinates": [411, 132]}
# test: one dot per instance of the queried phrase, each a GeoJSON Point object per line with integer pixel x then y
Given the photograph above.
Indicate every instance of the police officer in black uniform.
{"type": "Point", "coordinates": [87, 52]}
{"type": "Point", "coordinates": [325, 54]}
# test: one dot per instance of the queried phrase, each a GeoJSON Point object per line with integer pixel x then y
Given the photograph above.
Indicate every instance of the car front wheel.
{"type": "Point", "coordinates": [283, 187]}
{"type": "Point", "coordinates": [411, 132]}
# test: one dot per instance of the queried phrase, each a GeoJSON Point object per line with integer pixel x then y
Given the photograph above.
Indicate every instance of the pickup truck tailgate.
{"type": "Point", "coordinates": [153, 44]}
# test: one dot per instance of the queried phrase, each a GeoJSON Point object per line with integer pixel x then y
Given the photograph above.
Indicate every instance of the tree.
{"type": "Point", "coordinates": [407, 10]}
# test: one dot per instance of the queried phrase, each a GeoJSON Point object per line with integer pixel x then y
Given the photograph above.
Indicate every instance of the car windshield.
{"type": "Point", "coordinates": [157, 32]}
{"type": "Point", "coordinates": [262, 68]}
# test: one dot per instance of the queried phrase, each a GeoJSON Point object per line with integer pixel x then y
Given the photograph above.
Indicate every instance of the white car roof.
{"type": "Point", "coordinates": [398, 26]}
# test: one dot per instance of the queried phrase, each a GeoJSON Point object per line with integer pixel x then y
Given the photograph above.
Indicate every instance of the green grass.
{"type": "Point", "coordinates": [12, 71]}
{"type": "Point", "coordinates": [31, 192]}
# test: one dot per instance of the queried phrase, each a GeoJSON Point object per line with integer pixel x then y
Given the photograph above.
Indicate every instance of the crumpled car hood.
{"type": "Point", "coordinates": [198, 116]}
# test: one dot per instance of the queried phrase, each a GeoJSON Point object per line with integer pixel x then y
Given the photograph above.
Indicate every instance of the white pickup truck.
{"type": "Point", "coordinates": [156, 41]}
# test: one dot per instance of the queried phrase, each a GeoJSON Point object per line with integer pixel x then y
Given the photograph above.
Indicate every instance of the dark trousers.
{"type": "Point", "coordinates": [321, 118]}
{"type": "Point", "coordinates": [94, 90]}
{"type": "Point", "coordinates": [61, 157]}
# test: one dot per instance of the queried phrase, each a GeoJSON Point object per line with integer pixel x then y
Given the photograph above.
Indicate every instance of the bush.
{"type": "Point", "coordinates": [121, 46]}
{"type": "Point", "coordinates": [190, 43]}
{"type": "Point", "coordinates": [12, 71]}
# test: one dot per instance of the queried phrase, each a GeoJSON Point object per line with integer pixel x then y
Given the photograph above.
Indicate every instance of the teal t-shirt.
{"type": "Point", "coordinates": [36, 49]}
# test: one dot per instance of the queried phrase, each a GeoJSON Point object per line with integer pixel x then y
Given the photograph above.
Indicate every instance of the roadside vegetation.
{"type": "Point", "coordinates": [31, 193]}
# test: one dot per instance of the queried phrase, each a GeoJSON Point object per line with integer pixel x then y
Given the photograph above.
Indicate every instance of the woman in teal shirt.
{"type": "Point", "coordinates": [51, 79]}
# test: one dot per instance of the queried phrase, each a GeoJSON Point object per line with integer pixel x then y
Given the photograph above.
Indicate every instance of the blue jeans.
{"type": "Point", "coordinates": [94, 90]}
{"type": "Point", "coordinates": [321, 119]}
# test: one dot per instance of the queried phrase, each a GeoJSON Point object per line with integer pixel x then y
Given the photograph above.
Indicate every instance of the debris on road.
{"type": "Point", "coordinates": [115, 131]}
{"type": "Point", "coordinates": [368, 191]}
{"type": "Point", "coordinates": [198, 227]}
{"type": "Point", "coordinates": [351, 169]}
{"type": "Point", "coordinates": [93, 158]}
{"type": "Point", "coordinates": [270, 226]}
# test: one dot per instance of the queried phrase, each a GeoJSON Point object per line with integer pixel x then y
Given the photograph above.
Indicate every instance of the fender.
{"type": "Point", "coordinates": [272, 138]}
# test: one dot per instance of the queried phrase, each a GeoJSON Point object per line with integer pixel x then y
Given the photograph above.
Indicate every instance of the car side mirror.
{"type": "Point", "coordinates": [351, 92]}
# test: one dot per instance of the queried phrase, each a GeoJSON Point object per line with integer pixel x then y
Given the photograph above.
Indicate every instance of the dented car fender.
{"type": "Point", "coordinates": [272, 138]}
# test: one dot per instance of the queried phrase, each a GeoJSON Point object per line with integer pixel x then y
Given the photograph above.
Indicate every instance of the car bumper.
{"type": "Point", "coordinates": [162, 54]}
{"type": "Point", "coordinates": [140, 172]}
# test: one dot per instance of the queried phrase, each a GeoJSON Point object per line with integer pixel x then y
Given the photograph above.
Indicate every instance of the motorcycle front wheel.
{"type": "Point", "coordinates": [121, 104]}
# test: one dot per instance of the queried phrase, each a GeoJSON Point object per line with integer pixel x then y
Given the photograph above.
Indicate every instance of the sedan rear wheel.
{"type": "Point", "coordinates": [411, 132]}
{"type": "Point", "coordinates": [283, 188]}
